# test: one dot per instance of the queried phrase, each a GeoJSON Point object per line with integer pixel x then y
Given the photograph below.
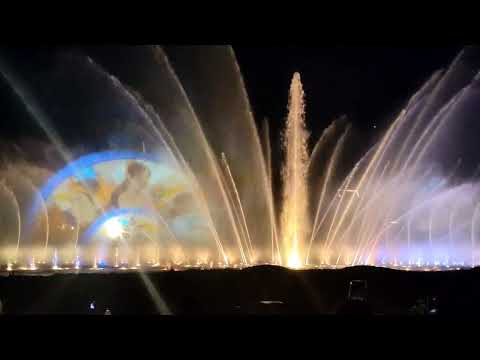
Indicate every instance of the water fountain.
{"type": "Point", "coordinates": [394, 207]}
{"type": "Point", "coordinates": [295, 225]}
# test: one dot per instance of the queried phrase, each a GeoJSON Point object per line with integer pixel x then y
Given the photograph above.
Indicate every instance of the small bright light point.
{"type": "Point", "coordinates": [32, 265]}
{"type": "Point", "coordinates": [114, 228]}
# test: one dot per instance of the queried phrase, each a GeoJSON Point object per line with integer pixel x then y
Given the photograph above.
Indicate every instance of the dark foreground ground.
{"type": "Point", "coordinates": [226, 292]}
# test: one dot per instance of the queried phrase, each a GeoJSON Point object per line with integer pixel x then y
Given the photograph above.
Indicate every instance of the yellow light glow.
{"type": "Point", "coordinates": [294, 261]}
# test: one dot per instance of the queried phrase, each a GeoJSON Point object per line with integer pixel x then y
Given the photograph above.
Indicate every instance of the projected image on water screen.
{"type": "Point", "coordinates": [120, 209]}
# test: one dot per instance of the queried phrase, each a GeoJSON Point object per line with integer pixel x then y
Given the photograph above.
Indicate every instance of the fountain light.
{"type": "Point", "coordinates": [32, 264]}
{"type": "Point", "coordinates": [95, 267]}
{"type": "Point", "coordinates": [116, 257]}
{"type": "Point", "coordinates": [55, 260]}
{"type": "Point", "coordinates": [77, 263]}
{"type": "Point", "coordinates": [138, 260]}
{"type": "Point", "coordinates": [114, 228]}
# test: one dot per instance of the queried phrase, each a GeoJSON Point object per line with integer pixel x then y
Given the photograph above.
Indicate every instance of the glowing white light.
{"type": "Point", "coordinates": [55, 261]}
{"type": "Point", "coordinates": [116, 257]}
{"type": "Point", "coordinates": [294, 261]}
{"type": "Point", "coordinates": [137, 263]}
{"type": "Point", "coordinates": [114, 228]}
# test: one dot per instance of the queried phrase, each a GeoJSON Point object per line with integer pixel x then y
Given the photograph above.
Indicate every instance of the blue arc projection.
{"type": "Point", "coordinates": [119, 184]}
{"type": "Point", "coordinates": [82, 167]}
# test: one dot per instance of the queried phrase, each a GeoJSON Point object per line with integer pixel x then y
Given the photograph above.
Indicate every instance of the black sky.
{"type": "Point", "coordinates": [368, 84]}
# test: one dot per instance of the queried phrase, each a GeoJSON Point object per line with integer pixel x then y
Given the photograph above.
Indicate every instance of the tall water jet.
{"type": "Point", "coordinates": [295, 221]}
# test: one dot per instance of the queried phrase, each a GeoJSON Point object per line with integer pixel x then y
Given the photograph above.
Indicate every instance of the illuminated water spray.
{"type": "Point", "coordinates": [13, 198]}
{"type": "Point", "coordinates": [351, 211]}
{"type": "Point", "coordinates": [295, 221]}
{"type": "Point", "coordinates": [55, 260]}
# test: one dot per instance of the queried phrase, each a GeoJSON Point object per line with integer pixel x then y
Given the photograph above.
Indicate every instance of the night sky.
{"type": "Point", "coordinates": [368, 84]}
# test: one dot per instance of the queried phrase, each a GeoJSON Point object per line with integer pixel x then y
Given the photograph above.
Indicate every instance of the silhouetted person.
{"type": "Point", "coordinates": [357, 301]}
